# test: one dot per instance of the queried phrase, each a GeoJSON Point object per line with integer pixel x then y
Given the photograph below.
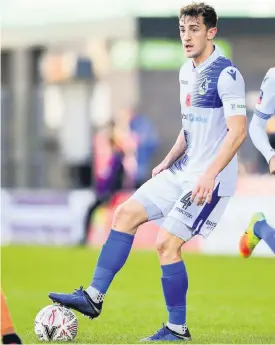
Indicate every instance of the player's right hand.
{"type": "Point", "coordinates": [272, 165]}
{"type": "Point", "coordinates": [159, 168]}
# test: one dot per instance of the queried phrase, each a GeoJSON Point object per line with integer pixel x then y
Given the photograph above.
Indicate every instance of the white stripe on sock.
{"type": "Point", "coordinates": [180, 329]}
{"type": "Point", "coordinates": [95, 295]}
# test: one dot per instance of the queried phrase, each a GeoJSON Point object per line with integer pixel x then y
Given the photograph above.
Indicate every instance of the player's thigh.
{"type": "Point", "coordinates": [158, 195]}
{"type": "Point", "coordinates": [187, 219]}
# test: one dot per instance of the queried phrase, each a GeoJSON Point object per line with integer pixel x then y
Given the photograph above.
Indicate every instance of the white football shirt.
{"type": "Point", "coordinates": [265, 108]}
{"type": "Point", "coordinates": [209, 94]}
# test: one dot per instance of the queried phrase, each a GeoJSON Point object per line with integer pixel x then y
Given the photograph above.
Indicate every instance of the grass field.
{"type": "Point", "coordinates": [230, 300]}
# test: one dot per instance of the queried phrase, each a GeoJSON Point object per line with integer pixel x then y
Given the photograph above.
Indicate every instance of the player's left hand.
{"type": "Point", "coordinates": [272, 165]}
{"type": "Point", "coordinates": [204, 190]}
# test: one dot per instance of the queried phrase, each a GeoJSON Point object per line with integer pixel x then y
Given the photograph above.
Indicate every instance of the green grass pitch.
{"type": "Point", "coordinates": [230, 299]}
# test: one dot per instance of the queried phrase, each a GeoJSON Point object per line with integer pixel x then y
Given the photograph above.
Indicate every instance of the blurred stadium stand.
{"type": "Point", "coordinates": [70, 66]}
{"type": "Point", "coordinates": [122, 56]}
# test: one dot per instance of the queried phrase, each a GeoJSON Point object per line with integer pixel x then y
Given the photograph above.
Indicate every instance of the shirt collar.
{"type": "Point", "coordinates": [216, 53]}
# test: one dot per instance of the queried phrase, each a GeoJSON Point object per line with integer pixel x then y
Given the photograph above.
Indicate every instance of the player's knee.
{"type": "Point", "coordinates": [128, 216]}
{"type": "Point", "coordinates": [122, 211]}
{"type": "Point", "coordinates": [168, 251]}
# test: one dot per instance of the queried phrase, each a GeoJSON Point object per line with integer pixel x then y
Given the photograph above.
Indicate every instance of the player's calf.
{"type": "Point", "coordinates": [112, 258]}
{"type": "Point", "coordinates": [8, 333]}
{"type": "Point", "coordinates": [174, 284]}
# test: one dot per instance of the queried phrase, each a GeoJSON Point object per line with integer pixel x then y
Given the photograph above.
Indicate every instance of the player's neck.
{"type": "Point", "coordinates": [204, 56]}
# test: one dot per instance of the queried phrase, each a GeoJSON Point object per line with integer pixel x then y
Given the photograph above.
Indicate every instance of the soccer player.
{"type": "Point", "coordinates": [191, 187]}
{"type": "Point", "coordinates": [258, 229]}
{"type": "Point", "coordinates": [8, 333]}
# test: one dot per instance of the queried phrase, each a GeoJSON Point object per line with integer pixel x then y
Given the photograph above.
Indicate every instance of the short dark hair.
{"type": "Point", "coordinates": [197, 9]}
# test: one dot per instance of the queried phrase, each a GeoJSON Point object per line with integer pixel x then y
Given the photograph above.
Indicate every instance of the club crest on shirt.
{"type": "Point", "coordinates": [260, 97]}
{"type": "Point", "coordinates": [204, 86]}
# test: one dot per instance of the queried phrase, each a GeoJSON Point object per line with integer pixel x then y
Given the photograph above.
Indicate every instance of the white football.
{"type": "Point", "coordinates": [55, 323]}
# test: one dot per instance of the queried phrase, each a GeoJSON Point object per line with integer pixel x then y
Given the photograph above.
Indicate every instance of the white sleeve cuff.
{"type": "Point", "coordinates": [234, 107]}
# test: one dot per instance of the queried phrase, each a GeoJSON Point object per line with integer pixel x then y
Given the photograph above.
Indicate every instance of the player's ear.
{"type": "Point", "coordinates": [211, 33]}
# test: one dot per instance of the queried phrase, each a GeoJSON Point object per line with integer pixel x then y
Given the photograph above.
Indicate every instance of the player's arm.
{"type": "Point", "coordinates": [235, 136]}
{"type": "Point", "coordinates": [176, 151]}
{"type": "Point", "coordinates": [265, 108]}
{"type": "Point", "coordinates": [259, 137]}
{"type": "Point", "coordinates": [180, 145]}
{"type": "Point", "coordinates": [231, 90]}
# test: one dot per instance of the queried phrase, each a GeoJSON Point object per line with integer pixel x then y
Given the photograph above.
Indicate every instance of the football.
{"type": "Point", "coordinates": [55, 323]}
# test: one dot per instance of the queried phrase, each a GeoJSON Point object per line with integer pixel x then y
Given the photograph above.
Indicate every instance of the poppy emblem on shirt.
{"type": "Point", "coordinates": [188, 100]}
{"type": "Point", "coordinates": [260, 97]}
{"type": "Point", "coordinates": [204, 86]}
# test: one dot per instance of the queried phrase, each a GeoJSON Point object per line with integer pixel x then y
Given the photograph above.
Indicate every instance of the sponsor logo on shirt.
{"type": "Point", "coordinates": [237, 106]}
{"type": "Point", "coordinates": [184, 82]}
{"type": "Point", "coordinates": [204, 86]}
{"type": "Point", "coordinates": [194, 118]}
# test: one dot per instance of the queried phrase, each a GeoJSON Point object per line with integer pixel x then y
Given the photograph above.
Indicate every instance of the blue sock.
{"type": "Point", "coordinates": [113, 256]}
{"type": "Point", "coordinates": [175, 284]}
{"type": "Point", "coordinates": [266, 233]}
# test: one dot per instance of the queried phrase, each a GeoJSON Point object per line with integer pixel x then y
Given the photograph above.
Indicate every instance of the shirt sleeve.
{"type": "Point", "coordinates": [231, 90]}
{"type": "Point", "coordinates": [265, 106]}
{"type": "Point", "coordinates": [259, 137]}
{"type": "Point", "coordinates": [181, 81]}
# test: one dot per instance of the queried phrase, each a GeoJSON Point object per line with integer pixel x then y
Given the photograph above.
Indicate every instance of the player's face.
{"type": "Point", "coordinates": [195, 35]}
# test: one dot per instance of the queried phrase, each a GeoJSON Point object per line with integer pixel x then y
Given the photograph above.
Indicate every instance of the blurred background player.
{"type": "Point", "coordinates": [122, 156]}
{"type": "Point", "coordinates": [258, 228]}
{"type": "Point", "coordinates": [8, 333]}
{"type": "Point", "coordinates": [145, 135]}
{"type": "Point", "coordinates": [108, 172]}
{"type": "Point", "coordinates": [191, 187]}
